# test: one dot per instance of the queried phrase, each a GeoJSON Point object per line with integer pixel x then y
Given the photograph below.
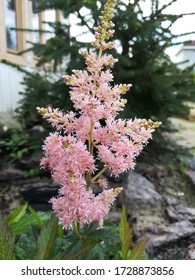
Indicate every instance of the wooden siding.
{"type": "Point", "coordinates": [9, 88]}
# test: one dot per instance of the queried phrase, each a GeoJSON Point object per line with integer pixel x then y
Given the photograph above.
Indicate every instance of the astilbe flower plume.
{"type": "Point", "coordinates": [69, 152]}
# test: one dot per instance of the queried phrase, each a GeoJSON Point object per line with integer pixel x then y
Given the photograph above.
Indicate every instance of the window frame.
{"type": "Point", "coordinates": [6, 53]}
{"type": "Point", "coordinates": [23, 21]}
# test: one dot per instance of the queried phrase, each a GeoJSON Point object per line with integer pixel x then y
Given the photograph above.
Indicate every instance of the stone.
{"type": "Point", "coordinates": [114, 179]}
{"type": "Point", "coordinates": [191, 252]}
{"type": "Point", "coordinates": [191, 175]}
{"type": "Point", "coordinates": [138, 192]}
{"type": "Point", "coordinates": [168, 233]}
{"type": "Point", "coordinates": [171, 200]}
{"type": "Point", "coordinates": [175, 126]}
{"type": "Point", "coordinates": [190, 162]}
{"type": "Point", "coordinates": [39, 191]}
{"type": "Point", "coordinates": [114, 216]}
{"type": "Point", "coordinates": [37, 128]}
{"type": "Point", "coordinates": [38, 194]}
{"type": "Point", "coordinates": [178, 212]}
{"type": "Point", "coordinates": [10, 174]}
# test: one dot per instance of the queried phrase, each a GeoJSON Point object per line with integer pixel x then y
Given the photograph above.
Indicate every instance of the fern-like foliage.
{"type": "Point", "coordinates": [138, 251]}
{"type": "Point", "coordinates": [15, 216]}
{"type": "Point", "coordinates": [126, 234]}
{"type": "Point", "coordinates": [7, 241]}
{"type": "Point", "coordinates": [128, 251]}
{"type": "Point", "coordinates": [87, 244]}
{"type": "Point", "coordinates": [80, 248]}
{"type": "Point", "coordinates": [46, 240]}
{"type": "Point", "coordinates": [36, 216]}
{"type": "Point", "coordinates": [19, 220]}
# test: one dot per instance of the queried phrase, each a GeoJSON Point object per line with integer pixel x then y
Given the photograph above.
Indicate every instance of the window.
{"type": "Point", "coordinates": [35, 22]}
{"type": "Point", "coordinates": [21, 14]}
{"type": "Point", "coordinates": [10, 23]}
{"type": "Point", "coordinates": [50, 16]}
{"type": "Point", "coordinates": [12, 41]}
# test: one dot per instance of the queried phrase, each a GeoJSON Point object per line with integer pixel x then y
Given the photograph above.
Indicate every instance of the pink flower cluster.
{"type": "Point", "coordinates": [104, 31]}
{"type": "Point", "coordinates": [91, 92]}
{"type": "Point", "coordinates": [69, 153]}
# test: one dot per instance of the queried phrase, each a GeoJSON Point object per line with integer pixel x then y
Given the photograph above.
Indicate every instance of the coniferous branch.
{"type": "Point", "coordinates": [16, 66]}
{"type": "Point", "coordinates": [165, 6]}
{"type": "Point", "coordinates": [84, 22]}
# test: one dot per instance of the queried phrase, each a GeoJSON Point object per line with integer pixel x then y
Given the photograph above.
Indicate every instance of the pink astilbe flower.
{"type": "Point", "coordinates": [78, 204]}
{"type": "Point", "coordinates": [73, 204]}
{"type": "Point", "coordinates": [67, 157]}
{"type": "Point", "coordinates": [92, 94]}
{"type": "Point", "coordinates": [70, 152]}
{"type": "Point", "coordinates": [101, 204]}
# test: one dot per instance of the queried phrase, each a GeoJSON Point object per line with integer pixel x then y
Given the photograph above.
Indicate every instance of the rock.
{"type": "Point", "coordinates": [143, 219]}
{"type": "Point", "coordinates": [178, 212]}
{"type": "Point", "coordinates": [191, 252]}
{"type": "Point", "coordinates": [169, 233]}
{"type": "Point", "coordinates": [138, 192]}
{"type": "Point", "coordinates": [30, 163]}
{"type": "Point", "coordinates": [39, 192]}
{"type": "Point", "coordinates": [112, 178]}
{"type": "Point", "coordinates": [190, 162]}
{"type": "Point", "coordinates": [114, 216]}
{"type": "Point", "coordinates": [10, 174]}
{"type": "Point", "coordinates": [171, 200]}
{"type": "Point", "coordinates": [37, 128]}
{"type": "Point", "coordinates": [191, 175]}
{"type": "Point", "coordinates": [175, 126]}
{"type": "Point", "coordinates": [142, 202]}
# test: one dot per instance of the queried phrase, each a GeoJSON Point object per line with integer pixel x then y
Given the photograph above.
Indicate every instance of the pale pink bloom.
{"type": "Point", "coordinates": [103, 183]}
{"type": "Point", "coordinates": [66, 156]}
{"type": "Point", "coordinates": [102, 203]}
{"type": "Point", "coordinates": [68, 153]}
{"type": "Point", "coordinates": [73, 206]}
{"type": "Point", "coordinates": [79, 205]}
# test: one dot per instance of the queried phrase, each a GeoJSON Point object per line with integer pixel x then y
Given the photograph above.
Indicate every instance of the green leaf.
{"type": "Point", "coordinates": [60, 231]}
{"type": "Point", "coordinates": [16, 215]}
{"type": "Point", "coordinates": [46, 240]}
{"type": "Point", "coordinates": [80, 248]}
{"type": "Point", "coordinates": [7, 241]}
{"type": "Point", "coordinates": [26, 245]}
{"type": "Point", "coordinates": [84, 245]}
{"type": "Point", "coordinates": [96, 253]}
{"type": "Point", "coordinates": [138, 252]}
{"type": "Point", "coordinates": [92, 230]}
{"type": "Point", "coordinates": [125, 233]}
{"type": "Point", "coordinates": [36, 216]}
{"type": "Point", "coordinates": [44, 216]}
{"type": "Point", "coordinates": [23, 224]}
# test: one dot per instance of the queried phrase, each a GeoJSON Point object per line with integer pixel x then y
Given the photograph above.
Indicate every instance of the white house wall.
{"type": "Point", "coordinates": [10, 87]}
{"type": "Point", "coordinates": [10, 78]}
{"type": "Point", "coordinates": [185, 54]}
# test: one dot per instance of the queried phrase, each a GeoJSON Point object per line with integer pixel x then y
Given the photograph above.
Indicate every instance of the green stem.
{"type": "Point", "coordinates": [99, 173]}
{"type": "Point", "coordinates": [88, 179]}
{"type": "Point", "coordinates": [100, 53]}
{"type": "Point", "coordinates": [91, 136]}
{"type": "Point", "coordinates": [76, 226]}
{"type": "Point", "coordinates": [90, 147]}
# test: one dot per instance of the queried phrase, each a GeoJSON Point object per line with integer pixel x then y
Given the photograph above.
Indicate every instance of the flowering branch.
{"type": "Point", "coordinates": [69, 152]}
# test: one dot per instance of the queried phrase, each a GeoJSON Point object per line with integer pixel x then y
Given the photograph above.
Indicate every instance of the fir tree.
{"type": "Point", "coordinates": [160, 87]}
{"type": "Point", "coordinates": [159, 90]}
